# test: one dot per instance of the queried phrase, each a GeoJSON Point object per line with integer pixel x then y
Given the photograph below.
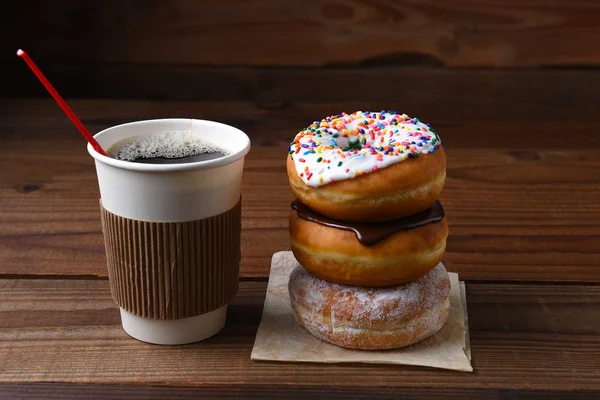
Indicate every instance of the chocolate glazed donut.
{"type": "Point", "coordinates": [368, 254]}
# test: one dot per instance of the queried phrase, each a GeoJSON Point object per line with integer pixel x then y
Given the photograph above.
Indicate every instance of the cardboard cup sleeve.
{"type": "Point", "coordinates": [173, 270]}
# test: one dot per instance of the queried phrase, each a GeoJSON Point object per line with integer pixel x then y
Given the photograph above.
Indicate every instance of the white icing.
{"type": "Point", "coordinates": [386, 129]}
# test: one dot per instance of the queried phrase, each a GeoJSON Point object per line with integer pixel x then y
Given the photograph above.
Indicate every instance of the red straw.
{"type": "Point", "coordinates": [61, 102]}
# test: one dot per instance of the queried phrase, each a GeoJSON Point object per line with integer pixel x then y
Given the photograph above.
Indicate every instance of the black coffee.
{"type": "Point", "coordinates": [180, 160]}
{"type": "Point", "coordinates": [165, 148]}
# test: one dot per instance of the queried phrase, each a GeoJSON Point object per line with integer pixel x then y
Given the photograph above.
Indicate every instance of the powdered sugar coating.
{"type": "Point", "coordinates": [366, 339]}
{"type": "Point", "coordinates": [371, 318]}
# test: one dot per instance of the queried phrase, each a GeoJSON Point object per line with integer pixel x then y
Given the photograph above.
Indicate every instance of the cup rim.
{"type": "Point", "coordinates": [198, 165]}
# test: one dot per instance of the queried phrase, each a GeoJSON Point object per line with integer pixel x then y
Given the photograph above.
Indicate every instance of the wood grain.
{"type": "Point", "coordinates": [523, 337]}
{"type": "Point", "coordinates": [436, 95]}
{"type": "Point", "coordinates": [514, 213]}
{"type": "Point", "coordinates": [71, 391]}
{"type": "Point", "coordinates": [497, 120]}
{"type": "Point", "coordinates": [308, 33]}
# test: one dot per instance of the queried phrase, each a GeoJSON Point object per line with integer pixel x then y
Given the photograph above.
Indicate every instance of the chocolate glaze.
{"type": "Point", "coordinates": [368, 234]}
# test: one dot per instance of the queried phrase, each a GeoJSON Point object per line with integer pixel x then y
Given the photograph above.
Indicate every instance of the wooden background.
{"type": "Point", "coordinates": [515, 79]}
{"type": "Point", "coordinates": [248, 50]}
{"type": "Point", "coordinates": [512, 86]}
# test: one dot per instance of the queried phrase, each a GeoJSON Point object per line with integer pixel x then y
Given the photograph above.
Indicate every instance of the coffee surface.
{"type": "Point", "coordinates": [165, 148]}
{"type": "Point", "coordinates": [180, 160]}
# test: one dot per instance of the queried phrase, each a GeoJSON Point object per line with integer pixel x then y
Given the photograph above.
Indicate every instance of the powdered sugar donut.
{"type": "Point", "coordinates": [371, 318]}
{"type": "Point", "coordinates": [367, 166]}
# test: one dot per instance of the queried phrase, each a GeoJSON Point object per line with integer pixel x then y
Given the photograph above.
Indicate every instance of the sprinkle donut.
{"type": "Point", "coordinates": [371, 318]}
{"type": "Point", "coordinates": [367, 166]}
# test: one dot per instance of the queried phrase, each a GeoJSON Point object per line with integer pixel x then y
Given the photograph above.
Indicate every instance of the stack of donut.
{"type": "Point", "coordinates": [368, 231]}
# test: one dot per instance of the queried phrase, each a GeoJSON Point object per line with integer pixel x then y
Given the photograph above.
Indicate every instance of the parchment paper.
{"type": "Point", "coordinates": [280, 338]}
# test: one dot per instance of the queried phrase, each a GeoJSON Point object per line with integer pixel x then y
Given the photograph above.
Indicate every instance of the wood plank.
{"type": "Point", "coordinates": [536, 124]}
{"type": "Point", "coordinates": [72, 391]}
{"type": "Point", "coordinates": [512, 212]}
{"type": "Point", "coordinates": [523, 337]}
{"type": "Point", "coordinates": [308, 33]}
{"type": "Point", "coordinates": [435, 95]}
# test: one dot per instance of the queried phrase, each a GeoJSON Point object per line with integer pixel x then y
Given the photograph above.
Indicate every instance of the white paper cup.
{"type": "Point", "coordinates": [172, 193]}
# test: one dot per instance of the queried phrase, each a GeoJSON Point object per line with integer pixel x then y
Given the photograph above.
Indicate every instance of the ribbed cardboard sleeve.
{"type": "Point", "coordinates": [172, 270]}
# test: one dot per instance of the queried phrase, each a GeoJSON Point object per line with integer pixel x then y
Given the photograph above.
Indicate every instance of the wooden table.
{"type": "Point", "coordinates": [523, 204]}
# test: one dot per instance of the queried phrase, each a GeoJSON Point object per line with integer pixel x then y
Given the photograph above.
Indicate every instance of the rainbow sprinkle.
{"type": "Point", "coordinates": [358, 143]}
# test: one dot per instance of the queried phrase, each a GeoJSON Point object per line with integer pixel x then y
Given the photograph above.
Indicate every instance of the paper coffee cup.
{"type": "Point", "coordinates": [172, 232]}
